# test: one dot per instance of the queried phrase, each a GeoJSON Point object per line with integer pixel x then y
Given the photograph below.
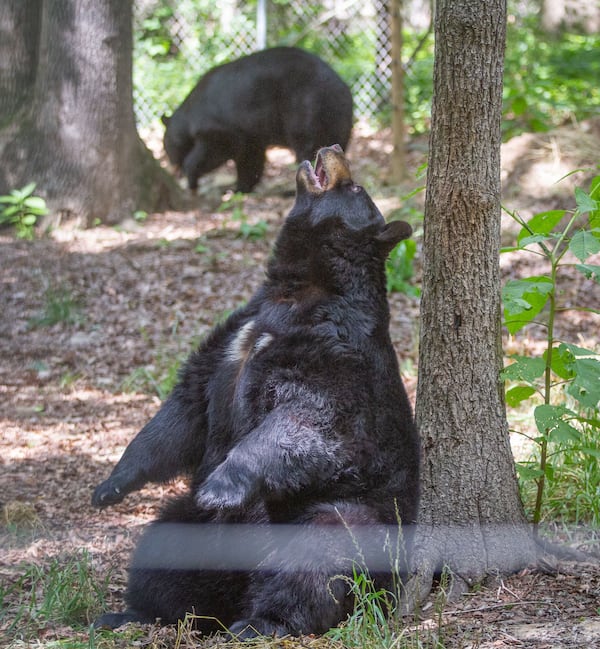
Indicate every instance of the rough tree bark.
{"type": "Point", "coordinates": [66, 113]}
{"type": "Point", "coordinates": [471, 516]}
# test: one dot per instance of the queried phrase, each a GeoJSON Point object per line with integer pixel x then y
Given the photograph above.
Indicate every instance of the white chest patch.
{"type": "Point", "coordinates": [245, 343]}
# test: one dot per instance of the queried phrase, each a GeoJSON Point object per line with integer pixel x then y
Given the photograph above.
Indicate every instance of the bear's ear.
{"type": "Point", "coordinates": [392, 234]}
{"type": "Point", "coordinates": [165, 119]}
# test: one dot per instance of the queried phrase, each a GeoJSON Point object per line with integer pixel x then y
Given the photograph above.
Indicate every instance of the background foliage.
{"type": "Point", "coordinates": [550, 78]}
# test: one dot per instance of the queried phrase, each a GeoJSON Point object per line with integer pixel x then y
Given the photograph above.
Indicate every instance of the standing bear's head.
{"type": "Point", "coordinates": [334, 229]}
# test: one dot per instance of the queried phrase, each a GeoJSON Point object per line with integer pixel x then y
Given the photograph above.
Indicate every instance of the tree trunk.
{"type": "Point", "coordinates": [19, 38]}
{"type": "Point", "coordinates": [75, 136]}
{"type": "Point", "coordinates": [471, 516]}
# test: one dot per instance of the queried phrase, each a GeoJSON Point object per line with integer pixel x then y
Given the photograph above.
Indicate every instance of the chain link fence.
{"type": "Point", "coordinates": [178, 41]}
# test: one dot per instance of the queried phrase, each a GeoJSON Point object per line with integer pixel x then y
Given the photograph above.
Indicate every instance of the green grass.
{"type": "Point", "coordinates": [66, 591]}
{"type": "Point", "coordinates": [157, 378]}
{"type": "Point", "coordinates": [59, 306]}
{"type": "Point", "coordinates": [160, 376]}
{"type": "Point", "coordinates": [376, 624]}
{"type": "Point", "coordinates": [55, 604]}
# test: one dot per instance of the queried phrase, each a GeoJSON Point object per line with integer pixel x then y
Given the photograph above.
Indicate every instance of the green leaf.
{"type": "Point", "coordinates": [586, 383]}
{"type": "Point", "coordinates": [584, 202]}
{"type": "Point", "coordinates": [564, 433]}
{"type": "Point", "coordinates": [526, 472]}
{"type": "Point", "coordinates": [534, 238]}
{"type": "Point", "coordinates": [9, 211]}
{"type": "Point", "coordinates": [549, 472]}
{"type": "Point", "coordinates": [519, 393]}
{"type": "Point", "coordinates": [594, 452]}
{"type": "Point", "coordinates": [524, 299]}
{"type": "Point", "coordinates": [584, 370]}
{"type": "Point", "coordinates": [10, 200]}
{"type": "Point", "coordinates": [561, 363]}
{"type": "Point", "coordinates": [583, 244]}
{"type": "Point", "coordinates": [519, 105]}
{"type": "Point", "coordinates": [524, 368]}
{"type": "Point", "coordinates": [576, 350]}
{"type": "Point", "coordinates": [591, 271]}
{"type": "Point", "coordinates": [595, 188]}
{"type": "Point", "coordinates": [594, 216]}
{"type": "Point", "coordinates": [552, 426]}
{"type": "Point", "coordinates": [24, 192]}
{"type": "Point", "coordinates": [547, 417]}
{"type": "Point", "coordinates": [541, 224]}
{"type": "Point", "coordinates": [35, 203]}
{"type": "Point", "coordinates": [29, 219]}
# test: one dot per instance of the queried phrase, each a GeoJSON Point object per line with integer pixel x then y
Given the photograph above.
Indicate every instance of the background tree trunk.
{"type": "Point", "coordinates": [75, 136]}
{"type": "Point", "coordinates": [471, 516]}
{"type": "Point", "coordinates": [19, 38]}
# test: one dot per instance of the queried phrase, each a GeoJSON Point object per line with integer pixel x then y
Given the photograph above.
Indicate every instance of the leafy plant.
{"type": "Point", "coordinates": [572, 494]}
{"type": "Point", "coordinates": [566, 373]}
{"type": "Point", "coordinates": [21, 210]}
{"type": "Point", "coordinates": [399, 268]}
{"type": "Point", "coordinates": [545, 75]}
{"type": "Point", "coordinates": [246, 230]}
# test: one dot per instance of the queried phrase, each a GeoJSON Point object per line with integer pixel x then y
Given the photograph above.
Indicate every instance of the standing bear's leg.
{"type": "Point", "coordinates": [250, 164]}
{"type": "Point", "coordinates": [304, 585]}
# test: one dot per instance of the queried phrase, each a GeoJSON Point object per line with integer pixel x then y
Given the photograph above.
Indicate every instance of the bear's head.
{"type": "Point", "coordinates": [334, 229]}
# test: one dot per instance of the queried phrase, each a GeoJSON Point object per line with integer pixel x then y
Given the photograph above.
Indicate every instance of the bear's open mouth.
{"type": "Point", "coordinates": [320, 174]}
{"type": "Point", "coordinates": [329, 170]}
{"type": "Point", "coordinates": [330, 167]}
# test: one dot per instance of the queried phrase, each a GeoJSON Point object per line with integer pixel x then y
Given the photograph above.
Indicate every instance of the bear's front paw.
{"type": "Point", "coordinates": [224, 489]}
{"type": "Point", "coordinates": [120, 483]}
{"type": "Point", "coordinates": [110, 492]}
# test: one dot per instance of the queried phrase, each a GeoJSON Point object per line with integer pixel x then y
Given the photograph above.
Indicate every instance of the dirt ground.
{"type": "Point", "coordinates": [72, 394]}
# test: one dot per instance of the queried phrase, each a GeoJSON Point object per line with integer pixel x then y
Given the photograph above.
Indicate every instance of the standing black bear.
{"type": "Point", "coordinates": [280, 96]}
{"type": "Point", "coordinates": [294, 421]}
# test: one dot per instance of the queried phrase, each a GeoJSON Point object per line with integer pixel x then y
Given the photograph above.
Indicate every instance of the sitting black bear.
{"type": "Point", "coordinates": [280, 96]}
{"type": "Point", "coordinates": [295, 424]}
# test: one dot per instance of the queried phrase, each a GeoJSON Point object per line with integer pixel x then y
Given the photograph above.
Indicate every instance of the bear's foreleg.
{"type": "Point", "coordinates": [287, 452]}
{"type": "Point", "coordinates": [171, 442]}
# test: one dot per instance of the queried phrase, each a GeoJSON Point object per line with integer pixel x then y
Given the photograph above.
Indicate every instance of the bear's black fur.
{"type": "Point", "coordinates": [280, 96]}
{"type": "Point", "coordinates": [295, 424]}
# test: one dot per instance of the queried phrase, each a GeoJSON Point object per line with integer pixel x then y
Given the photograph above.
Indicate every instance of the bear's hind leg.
{"type": "Point", "coordinates": [175, 570]}
{"type": "Point", "coordinates": [305, 584]}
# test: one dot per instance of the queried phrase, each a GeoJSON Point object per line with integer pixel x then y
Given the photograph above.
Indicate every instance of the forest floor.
{"type": "Point", "coordinates": [130, 303]}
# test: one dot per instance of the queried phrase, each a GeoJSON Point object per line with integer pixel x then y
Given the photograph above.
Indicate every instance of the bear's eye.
{"type": "Point", "coordinates": [348, 184]}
